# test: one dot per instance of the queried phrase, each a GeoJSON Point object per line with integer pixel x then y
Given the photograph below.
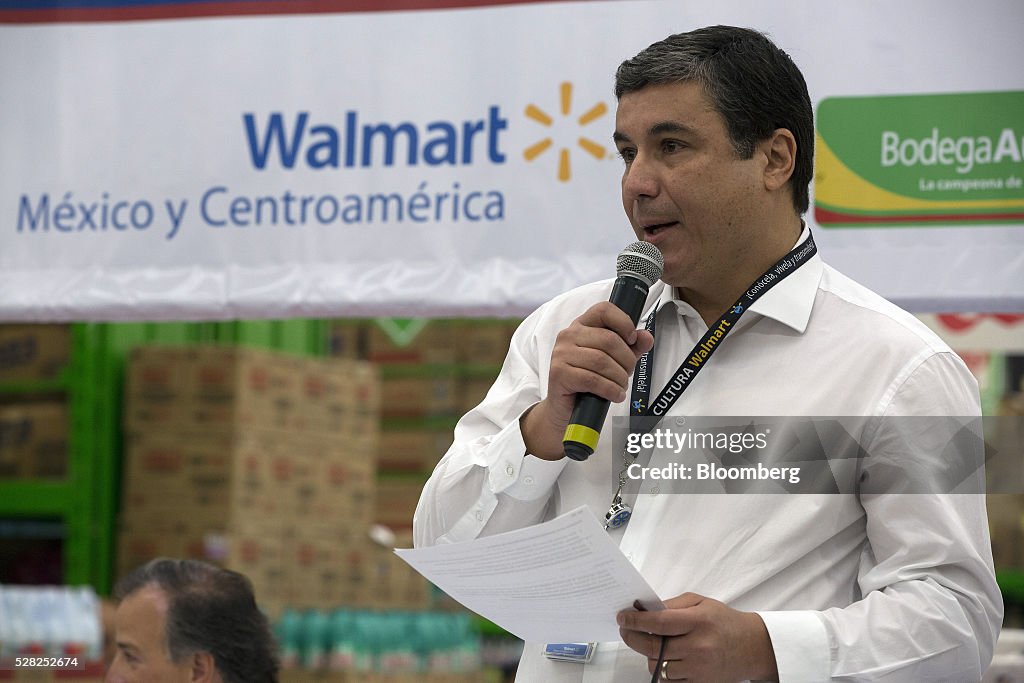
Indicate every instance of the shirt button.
{"type": "Point", "coordinates": [656, 490]}
{"type": "Point", "coordinates": [509, 470]}
{"type": "Point", "coordinates": [680, 421]}
{"type": "Point", "coordinates": [527, 480]}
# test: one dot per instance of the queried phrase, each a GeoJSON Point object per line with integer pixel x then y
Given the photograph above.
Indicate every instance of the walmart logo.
{"type": "Point", "coordinates": [302, 141]}
{"type": "Point", "coordinates": [586, 144]}
{"type": "Point", "coordinates": [297, 141]}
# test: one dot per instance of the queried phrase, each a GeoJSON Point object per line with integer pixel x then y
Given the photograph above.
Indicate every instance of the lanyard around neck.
{"type": "Point", "coordinates": [700, 354]}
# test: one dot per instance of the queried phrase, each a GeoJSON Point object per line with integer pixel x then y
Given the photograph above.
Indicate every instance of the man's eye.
{"type": "Point", "coordinates": [627, 155]}
{"type": "Point", "coordinates": [672, 145]}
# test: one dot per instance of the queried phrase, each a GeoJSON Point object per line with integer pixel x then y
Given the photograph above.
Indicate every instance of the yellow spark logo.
{"type": "Point", "coordinates": [587, 145]}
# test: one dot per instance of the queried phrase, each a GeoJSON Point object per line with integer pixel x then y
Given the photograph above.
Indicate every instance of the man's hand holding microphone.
{"type": "Point", "coordinates": [592, 362]}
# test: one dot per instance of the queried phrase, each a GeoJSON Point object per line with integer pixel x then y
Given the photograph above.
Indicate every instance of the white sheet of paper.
{"type": "Point", "coordinates": [560, 581]}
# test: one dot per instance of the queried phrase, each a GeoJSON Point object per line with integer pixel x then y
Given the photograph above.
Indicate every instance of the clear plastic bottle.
{"type": "Point", "coordinates": [397, 643]}
{"type": "Point", "coordinates": [467, 644]}
{"type": "Point", "coordinates": [51, 621]}
{"type": "Point", "coordinates": [341, 656]}
{"type": "Point", "coordinates": [315, 640]}
{"type": "Point", "coordinates": [364, 644]}
{"type": "Point", "coordinates": [83, 633]}
{"type": "Point", "coordinates": [288, 632]}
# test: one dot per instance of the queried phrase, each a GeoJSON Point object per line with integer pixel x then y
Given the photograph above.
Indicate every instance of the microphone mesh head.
{"type": "Point", "coordinates": [642, 260]}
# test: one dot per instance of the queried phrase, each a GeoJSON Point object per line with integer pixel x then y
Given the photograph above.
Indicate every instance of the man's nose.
{"type": "Point", "coordinates": [639, 181]}
{"type": "Point", "coordinates": [113, 675]}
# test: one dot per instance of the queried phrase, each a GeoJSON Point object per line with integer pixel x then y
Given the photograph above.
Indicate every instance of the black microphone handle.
{"type": "Point", "coordinates": [630, 294]}
{"type": "Point", "coordinates": [589, 411]}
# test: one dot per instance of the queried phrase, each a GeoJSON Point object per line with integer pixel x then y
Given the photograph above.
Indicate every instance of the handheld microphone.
{"type": "Point", "coordinates": [637, 268]}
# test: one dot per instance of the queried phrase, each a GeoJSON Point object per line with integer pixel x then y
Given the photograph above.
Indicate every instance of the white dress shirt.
{"type": "Point", "coordinates": [851, 587]}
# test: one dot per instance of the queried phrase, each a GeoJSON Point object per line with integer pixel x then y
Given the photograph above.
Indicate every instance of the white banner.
{"type": "Point", "coordinates": [439, 162]}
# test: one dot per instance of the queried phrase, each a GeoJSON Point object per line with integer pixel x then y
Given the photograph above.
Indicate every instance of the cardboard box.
{"type": "Point", "coordinates": [191, 472]}
{"type": "Point", "coordinates": [261, 461]}
{"type": "Point", "coordinates": [343, 477]}
{"type": "Point", "coordinates": [211, 386]}
{"type": "Point", "coordinates": [484, 342]}
{"type": "Point", "coordinates": [318, 482]}
{"type": "Point", "coordinates": [327, 573]}
{"type": "Point", "coordinates": [419, 396]}
{"type": "Point", "coordinates": [260, 556]}
{"type": "Point", "coordinates": [156, 386]}
{"type": "Point", "coordinates": [265, 480]}
{"type": "Point", "coordinates": [365, 397]}
{"type": "Point", "coordinates": [323, 400]}
{"type": "Point", "coordinates": [396, 501]}
{"type": "Point", "coordinates": [399, 586]}
{"type": "Point", "coordinates": [34, 440]}
{"type": "Point", "coordinates": [472, 390]}
{"type": "Point", "coordinates": [415, 341]}
{"type": "Point", "coordinates": [412, 449]}
{"type": "Point", "coordinates": [347, 339]}
{"type": "Point", "coordinates": [30, 353]}
{"type": "Point", "coordinates": [182, 491]}
{"type": "Point", "coordinates": [143, 537]}
{"type": "Point", "coordinates": [272, 476]}
{"type": "Point", "coordinates": [336, 395]}
{"type": "Point", "coordinates": [234, 386]}
{"type": "Point", "coordinates": [258, 552]}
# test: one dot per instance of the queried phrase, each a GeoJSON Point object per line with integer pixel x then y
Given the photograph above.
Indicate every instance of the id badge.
{"type": "Point", "coordinates": [570, 652]}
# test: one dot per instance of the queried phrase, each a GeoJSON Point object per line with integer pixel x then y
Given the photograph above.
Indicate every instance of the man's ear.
{"type": "Point", "coordinates": [204, 669]}
{"type": "Point", "coordinates": [780, 151]}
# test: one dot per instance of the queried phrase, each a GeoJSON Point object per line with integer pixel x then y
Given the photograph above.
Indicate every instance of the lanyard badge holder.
{"type": "Point", "coordinates": [619, 512]}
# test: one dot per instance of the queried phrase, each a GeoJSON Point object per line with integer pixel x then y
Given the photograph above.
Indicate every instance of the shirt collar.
{"type": "Point", "coordinates": [789, 302]}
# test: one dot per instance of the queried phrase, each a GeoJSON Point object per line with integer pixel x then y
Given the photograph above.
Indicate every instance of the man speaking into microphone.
{"type": "Point", "coordinates": [715, 131]}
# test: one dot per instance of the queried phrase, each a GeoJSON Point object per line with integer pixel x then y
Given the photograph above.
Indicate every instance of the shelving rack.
{"type": "Point", "coordinates": [84, 503]}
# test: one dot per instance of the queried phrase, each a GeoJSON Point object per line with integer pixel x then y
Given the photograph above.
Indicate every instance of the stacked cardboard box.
{"type": "Point", "coordinates": [33, 424]}
{"type": "Point", "coordinates": [399, 586]}
{"type": "Point", "coordinates": [433, 372]}
{"type": "Point", "coordinates": [33, 439]}
{"type": "Point", "coordinates": [259, 460]}
{"type": "Point", "coordinates": [437, 367]}
{"type": "Point", "coordinates": [412, 447]}
{"type": "Point", "coordinates": [30, 353]}
{"type": "Point", "coordinates": [484, 342]}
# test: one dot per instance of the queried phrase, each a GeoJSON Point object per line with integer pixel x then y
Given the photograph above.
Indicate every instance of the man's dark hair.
{"type": "Point", "coordinates": [213, 610]}
{"type": "Point", "coordinates": [752, 83]}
